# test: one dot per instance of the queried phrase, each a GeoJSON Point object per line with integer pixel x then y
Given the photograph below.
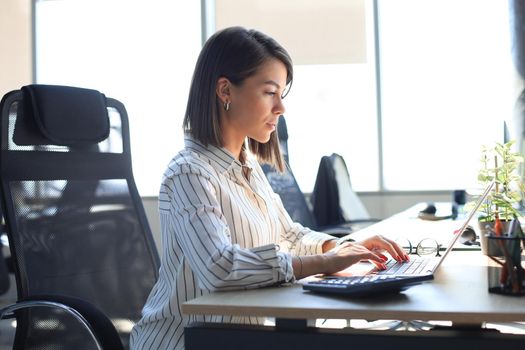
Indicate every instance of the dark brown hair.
{"type": "Point", "coordinates": [234, 53]}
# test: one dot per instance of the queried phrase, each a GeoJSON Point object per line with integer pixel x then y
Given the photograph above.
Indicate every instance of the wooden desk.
{"type": "Point", "coordinates": [458, 294]}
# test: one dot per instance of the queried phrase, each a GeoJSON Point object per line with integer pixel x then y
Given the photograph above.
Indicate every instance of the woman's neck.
{"type": "Point", "coordinates": [235, 148]}
{"type": "Point", "coordinates": [232, 140]}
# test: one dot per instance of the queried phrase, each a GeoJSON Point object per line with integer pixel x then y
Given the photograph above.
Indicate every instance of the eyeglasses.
{"type": "Point", "coordinates": [426, 246]}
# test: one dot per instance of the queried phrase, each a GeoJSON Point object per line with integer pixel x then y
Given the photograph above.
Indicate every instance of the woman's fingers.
{"type": "Point", "coordinates": [370, 249]}
{"type": "Point", "coordinates": [362, 253]}
{"type": "Point", "coordinates": [378, 265]}
{"type": "Point", "coordinates": [379, 242]}
{"type": "Point", "coordinates": [398, 249]}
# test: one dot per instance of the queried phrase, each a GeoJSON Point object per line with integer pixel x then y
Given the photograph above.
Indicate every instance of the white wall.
{"type": "Point", "coordinates": [383, 205]}
{"type": "Point", "coordinates": [15, 45]}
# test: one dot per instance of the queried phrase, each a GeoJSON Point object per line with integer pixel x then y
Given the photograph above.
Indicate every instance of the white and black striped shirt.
{"type": "Point", "coordinates": [219, 232]}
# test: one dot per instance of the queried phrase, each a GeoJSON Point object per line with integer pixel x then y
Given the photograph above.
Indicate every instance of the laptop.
{"type": "Point", "coordinates": [364, 279]}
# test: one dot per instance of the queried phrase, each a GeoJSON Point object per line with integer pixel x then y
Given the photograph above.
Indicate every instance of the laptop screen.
{"type": "Point", "coordinates": [470, 215]}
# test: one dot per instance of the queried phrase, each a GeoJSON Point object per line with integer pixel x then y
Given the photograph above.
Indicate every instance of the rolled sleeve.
{"type": "Point", "coordinates": [297, 239]}
{"type": "Point", "coordinates": [280, 261]}
{"type": "Point", "coordinates": [312, 243]}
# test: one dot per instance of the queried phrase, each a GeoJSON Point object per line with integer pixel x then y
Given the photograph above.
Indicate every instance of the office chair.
{"type": "Point", "coordinates": [82, 249]}
{"type": "Point", "coordinates": [294, 201]}
{"type": "Point", "coordinates": [334, 202]}
{"type": "Point", "coordinates": [5, 279]}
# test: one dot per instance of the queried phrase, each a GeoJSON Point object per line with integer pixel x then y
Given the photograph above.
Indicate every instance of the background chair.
{"type": "Point", "coordinates": [334, 201]}
{"type": "Point", "coordinates": [75, 221]}
{"type": "Point", "coordinates": [294, 201]}
{"type": "Point", "coordinates": [5, 279]}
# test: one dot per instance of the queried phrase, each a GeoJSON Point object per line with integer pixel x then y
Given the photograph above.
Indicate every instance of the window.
{"type": "Point", "coordinates": [445, 83]}
{"type": "Point", "coordinates": [445, 78]}
{"type": "Point", "coordinates": [332, 108]}
{"type": "Point", "coordinates": [139, 52]}
{"type": "Point", "coordinates": [446, 87]}
{"type": "Point", "coordinates": [332, 104]}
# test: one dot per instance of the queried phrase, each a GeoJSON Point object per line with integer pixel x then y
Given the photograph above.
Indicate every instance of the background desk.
{"type": "Point", "coordinates": [458, 294]}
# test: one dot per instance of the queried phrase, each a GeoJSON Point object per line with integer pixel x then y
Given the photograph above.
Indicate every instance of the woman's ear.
{"type": "Point", "coordinates": [223, 90]}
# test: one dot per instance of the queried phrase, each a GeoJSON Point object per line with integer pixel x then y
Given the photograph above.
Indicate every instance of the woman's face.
{"type": "Point", "coordinates": [256, 103]}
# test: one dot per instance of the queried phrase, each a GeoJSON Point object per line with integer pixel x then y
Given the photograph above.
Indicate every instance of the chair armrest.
{"type": "Point", "coordinates": [94, 322]}
{"type": "Point", "coordinates": [337, 230]}
{"type": "Point", "coordinates": [347, 227]}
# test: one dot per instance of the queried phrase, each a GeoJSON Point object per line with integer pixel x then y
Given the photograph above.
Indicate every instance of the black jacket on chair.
{"type": "Point", "coordinates": [334, 201]}
{"type": "Point", "coordinates": [325, 196]}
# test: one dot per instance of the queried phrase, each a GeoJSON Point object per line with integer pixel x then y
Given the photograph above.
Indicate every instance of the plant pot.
{"type": "Point", "coordinates": [486, 228]}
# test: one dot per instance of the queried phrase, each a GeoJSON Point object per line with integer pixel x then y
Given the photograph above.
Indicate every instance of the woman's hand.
{"type": "Point", "coordinates": [379, 243]}
{"type": "Point", "coordinates": [371, 249]}
{"type": "Point", "coordinates": [346, 254]}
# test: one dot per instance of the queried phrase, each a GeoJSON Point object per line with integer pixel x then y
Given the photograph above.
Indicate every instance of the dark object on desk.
{"type": "Point", "coordinates": [429, 209]}
{"type": "Point", "coordinates": [455, 211]}
{"type": "Point", "coordinates": [469, 237]}
{"type": "Point", "coordinates": [429, 213]}
{"type": "Point", "coordinates": [365, 285]}
{"type": "Point", "coordinates": [294, 201]}
{"type": "Point", "coordinates": [75, 221]}
{"type": "Point", "coordinates": [459, 197]}
{"type": "Point", "coordinates": [333, 199]}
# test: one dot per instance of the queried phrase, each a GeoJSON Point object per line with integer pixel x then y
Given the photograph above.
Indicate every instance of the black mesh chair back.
{"type": "Point", "coordinates": [286, 186]}
{"type": "Point", "coordinates": [75, 221]}
{"type": "Point", "coordinates": [282, 134]}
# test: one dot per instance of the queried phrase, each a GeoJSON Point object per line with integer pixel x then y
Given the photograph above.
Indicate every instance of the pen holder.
{"type": "Point", "coordinates": [486, 230]}
{"type": "Point", "coordinates": [506, 274]}
{"type": "Point", "coordinates": [491, 246]}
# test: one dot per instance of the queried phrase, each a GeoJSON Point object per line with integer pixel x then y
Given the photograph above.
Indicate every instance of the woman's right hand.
{"type": "Point", "coordinates": [348, 253]}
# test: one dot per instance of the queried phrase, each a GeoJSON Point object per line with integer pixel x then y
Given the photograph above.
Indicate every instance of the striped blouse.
{"type": "Point", "coordinates": [220, 232]}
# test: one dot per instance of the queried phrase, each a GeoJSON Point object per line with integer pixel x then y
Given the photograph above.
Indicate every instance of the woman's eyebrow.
{"type": "Point", "coordinates": [271, 82]}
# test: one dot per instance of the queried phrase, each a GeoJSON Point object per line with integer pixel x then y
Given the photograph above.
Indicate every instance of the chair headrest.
{"type": "Point", "coordinates": [66, 116]}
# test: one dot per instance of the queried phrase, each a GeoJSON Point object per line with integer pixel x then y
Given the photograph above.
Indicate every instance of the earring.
{"type": "Point", "coordinates": [227, 106]}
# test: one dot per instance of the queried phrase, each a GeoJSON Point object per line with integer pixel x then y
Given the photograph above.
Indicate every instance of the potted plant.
{"type": "Point", "coordinates": [502, 165]}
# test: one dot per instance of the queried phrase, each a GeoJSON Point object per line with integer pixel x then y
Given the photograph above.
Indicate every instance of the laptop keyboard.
{"type": "Point", "coordinates": [416, 266]}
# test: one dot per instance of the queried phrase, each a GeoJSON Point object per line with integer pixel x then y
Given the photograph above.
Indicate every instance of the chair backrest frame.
{"type": "Point", "coordinates": [79, 175]}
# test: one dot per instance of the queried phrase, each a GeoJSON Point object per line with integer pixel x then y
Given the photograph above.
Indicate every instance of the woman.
{"type": "Point", "coordinates": [223, 227]}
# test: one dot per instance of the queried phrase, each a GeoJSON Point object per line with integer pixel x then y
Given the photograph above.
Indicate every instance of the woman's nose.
{"type": "Point", "coordinates": [279, 107]}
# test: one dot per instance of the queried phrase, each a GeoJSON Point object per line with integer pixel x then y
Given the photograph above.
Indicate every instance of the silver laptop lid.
{"type": "Point", "coordinates": [470, 215]}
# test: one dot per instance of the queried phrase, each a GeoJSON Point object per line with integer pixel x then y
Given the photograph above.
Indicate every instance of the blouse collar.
{"type": "Point", "coordinates": [220, 158]}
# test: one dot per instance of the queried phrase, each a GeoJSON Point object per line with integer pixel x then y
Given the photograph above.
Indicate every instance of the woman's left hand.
{"type": "Point", "coordinates": [380, 243]}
